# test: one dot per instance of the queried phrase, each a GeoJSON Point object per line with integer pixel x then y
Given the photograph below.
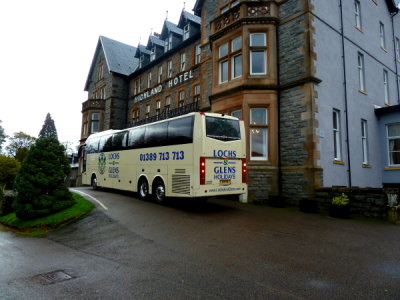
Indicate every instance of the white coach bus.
{"type": "Point", "coordinates": [193, 155]}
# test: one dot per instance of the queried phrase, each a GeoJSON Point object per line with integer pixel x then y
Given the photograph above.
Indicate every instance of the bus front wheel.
{"type": "Point", "coordinates": [94, 183]}
{"type": "Point", "coordinates": [143, 189]}
{"type": "Point", "coordinates": [159, 191]}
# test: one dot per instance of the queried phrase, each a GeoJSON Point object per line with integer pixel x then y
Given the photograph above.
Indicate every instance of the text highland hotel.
{"type": "Point", "coordinates": [316, 83]}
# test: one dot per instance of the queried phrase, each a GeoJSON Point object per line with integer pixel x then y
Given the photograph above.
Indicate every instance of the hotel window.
{"type": "Point", "coordinates": [364, 141]}
{"type": "Point", "coordinates": [158, 107]}
{"type": "Point", "coordinates": [181, 100]}
{"type": "Point", "coordinates": [361, 72]}
{"type": "Point", "coordinates": [258, 134]}
{"type": "Point", "coordinates": [237, 114]}
{"type": "Point", "coordinates": [197, 54]}
{"type": "Point", "coordinates": [186, 32]}
{"type": "Point", "coordinates": [258, 53]}
{"type": "Point", "coordinates": [398, 49]}
{"type": "Point", "coordinates": [160, 70]}
{"type": "Point", "coordinates": [169, 74]}
{"type": "Point", "coordinates": [136, 115]}
{"type": "Point", "coordinates": [135, 87]}
{"type": "Point", "coordinates": [140, 85]}
{"type": "Point", "coordinates": [167, 102]}
{"type": "Point", "coordinates": [196, 93]}
{"type": "Point", "coordinates": [169, 42]}
{"type": "Point", "coordinates": [147, 115]}
{"type": "Point", "coordinates": [153, 54]}
{"type": "Point", "coordinates": [230, 52]}
{"type": "Point", "coordinates": [393, 132]}
{"type": "Point", "coordinates": [336, 135]}
{"type": "Point", "coordinates": [382, 35]}
{"type": "Point", "coordinates": [95, 123]}
{"type": "Point", "coordinates": [386, 85]}
{"type": "Point", "coordinates": [357, 13]}
{"type": "Point", "coordinates": [100, 73]}
{"type": "Point", "coordinates": [141, 60]}
{"type": "Point", "coordinates": [149, 80]}
{"type": "Point", "coordinates": [183, 61]}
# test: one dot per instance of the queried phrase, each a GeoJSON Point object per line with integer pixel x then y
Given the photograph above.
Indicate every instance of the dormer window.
{"type": "Point", "coordinates": [153, 54]}
{"type": "Point", "coordinates": [186, 32]}
{"type": "Point", "coordinates": [168, 43]}
{"type": "Point", "coordinates": [141, 60]}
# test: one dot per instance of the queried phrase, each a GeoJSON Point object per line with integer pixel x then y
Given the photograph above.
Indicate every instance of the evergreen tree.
{"type": "Point", "coordinates": [48, 129]}
{"type": "Point", "coordinates": [40, 181]}
{"type": "Point", "coordinates": [3, 136]}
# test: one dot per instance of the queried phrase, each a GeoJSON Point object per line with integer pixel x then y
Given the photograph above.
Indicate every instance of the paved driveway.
{"type": "Point", "coordinates": [221, 250]}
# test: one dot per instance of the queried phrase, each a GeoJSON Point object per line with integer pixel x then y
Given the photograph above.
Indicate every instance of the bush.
{"type": "Point", "coordinates": [40, 182]}
{"type": "Point", "coordinates": [6, 201]}
{"type": "Point", "coordinates": [9, 167]}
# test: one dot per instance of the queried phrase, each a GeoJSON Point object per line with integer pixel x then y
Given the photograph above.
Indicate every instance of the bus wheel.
{"type": "Point", "coordinates": [94, 183]}
{"type": "Point", "coordinates": [159, 191]}
{"type": "Point", "coordinates": [143, 189]}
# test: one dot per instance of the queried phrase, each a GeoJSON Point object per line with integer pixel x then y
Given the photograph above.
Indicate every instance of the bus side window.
{"type": "Point", "coordinates": [119, 141]}
{"type": "Point", "coordinates": [92, 145]}
{"type": "Point", "coordinates": [180, 131]}
{"type": "Point", "coordinates": [157, 135]}
{"type": "Point", "coordinates": [136, 138]}
{"type": "Point", "coordinates": [107, 143]}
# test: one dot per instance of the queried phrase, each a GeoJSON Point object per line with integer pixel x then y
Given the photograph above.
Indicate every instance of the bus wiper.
{"type": "Point", "coordinates": [223, 137]}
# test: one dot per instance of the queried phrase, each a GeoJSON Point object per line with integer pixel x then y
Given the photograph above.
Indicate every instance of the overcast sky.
{"type": "Point", "coordinates": [47, 47]}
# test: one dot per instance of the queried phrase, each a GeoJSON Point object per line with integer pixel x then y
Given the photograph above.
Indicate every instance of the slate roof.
{"type": "Point", "coordinates": [155, 40]}
{"type": "Point", "coordinates": [141, 49]}
{"type": "Point", "coordinates": [120, 58]}
{"type": "Point", "coordinates": [190, 17]}
{"type": "Point", "coordinates": [170, 27]}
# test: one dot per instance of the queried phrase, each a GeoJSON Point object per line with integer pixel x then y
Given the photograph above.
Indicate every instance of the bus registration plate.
{"type": "Point", "coordinates": [225, 182]}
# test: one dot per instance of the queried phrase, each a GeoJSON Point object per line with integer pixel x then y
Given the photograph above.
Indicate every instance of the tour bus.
{"type": "Point", "coordinates": [194, 155]}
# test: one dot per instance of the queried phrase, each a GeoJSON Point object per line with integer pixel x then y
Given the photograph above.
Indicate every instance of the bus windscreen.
{"type": "Point", "coordinates": [222, 129]}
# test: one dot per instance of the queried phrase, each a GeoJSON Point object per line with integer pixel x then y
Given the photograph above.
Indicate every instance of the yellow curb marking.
{"type": "Point", "coordinates": [91, 197]}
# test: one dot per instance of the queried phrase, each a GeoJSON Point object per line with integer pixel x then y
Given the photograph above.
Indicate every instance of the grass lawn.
{"type": "Point", "coordinates": [39, 226]}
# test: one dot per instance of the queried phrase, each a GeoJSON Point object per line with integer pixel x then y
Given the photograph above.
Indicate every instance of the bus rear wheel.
{"type": "Point", "coordinates": [94, 183]}
{"type": "Point", "coordinates": [159, 191]}
{"type": "Point", "coordinates": [143, 189]}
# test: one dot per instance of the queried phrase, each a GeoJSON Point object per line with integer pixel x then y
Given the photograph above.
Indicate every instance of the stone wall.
{"type": "Point", "coordinates": [364, 202]}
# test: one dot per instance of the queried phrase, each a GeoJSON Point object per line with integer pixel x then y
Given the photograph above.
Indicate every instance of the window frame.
{"type": "Point", "coordinates": [337, 135]}
{"type": "Point", "coordinates": [382, 35]}
{"type": "Point", "coordinates": [361, 72]}
{"type": "Point", "coordinates": [181, 98]}
{"type": "Point", "coordinates": [94, 121]}
{"type": "Point", "coordinates": [265, 127]}
{"type": "Point", "coordinates": [364, 142]}
{"type": "Point", "coordinates": [197, 54]}
{"type": "Point", "coordinates": [389, 138]}
{"type": "Point", "coordinates": [160, 71]}
{"type": "Point", "coordinates": [357, 14]}
{"type": "Point", "coordinates": [153, 53]}
{"type": "Point", "coordinates": [186, 32]}
{"type": "Point", "coordinates": [227, 62]}
{"type": "Point", "coordinates": [149, 80]}
{"type": "Point", "coordinates": [169, 69]}
{"type": "Point", "coordinates": [253, 49]}
{"type": "Point", "coordinates": [386, 86]}
{"type": "Point", "coordinates": [183, 62]}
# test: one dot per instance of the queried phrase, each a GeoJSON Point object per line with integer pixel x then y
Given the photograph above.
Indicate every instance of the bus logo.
{"type": "Point", "coordinates": [102, 163]}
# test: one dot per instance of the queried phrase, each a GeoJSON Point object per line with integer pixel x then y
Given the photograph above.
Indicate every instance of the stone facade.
{"type": "Point", "coordinates": [306, 52]}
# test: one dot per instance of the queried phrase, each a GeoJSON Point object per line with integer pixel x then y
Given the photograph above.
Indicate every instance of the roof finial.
{"type": "Point", "coordinates": [184, 5]}
{"type": "Point", "coordinates": [166, 15]}
{"type": "Point", "coordinates": [151, 31]}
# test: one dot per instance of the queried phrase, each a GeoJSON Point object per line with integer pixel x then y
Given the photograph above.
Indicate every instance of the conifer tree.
{"type": "Point", "coordinates": [48, 129]}
{"type": "Point", "coordinates": [40, 182]}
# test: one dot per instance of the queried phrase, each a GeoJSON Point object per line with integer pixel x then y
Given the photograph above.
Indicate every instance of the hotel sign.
{"type": "Point", "coordinates": [173, 82]}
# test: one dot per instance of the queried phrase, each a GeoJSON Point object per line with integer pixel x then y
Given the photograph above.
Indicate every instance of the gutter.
{"type": "Point", "coordinates": [345, 97]}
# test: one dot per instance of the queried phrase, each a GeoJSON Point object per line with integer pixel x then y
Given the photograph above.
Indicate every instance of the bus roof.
{"type": "Point", "coordinates": [112, 131]}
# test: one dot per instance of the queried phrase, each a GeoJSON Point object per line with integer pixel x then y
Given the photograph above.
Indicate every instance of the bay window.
{"type": "Point", "coordinates": [230, 60]}
{"type": "Point", "coordinates": [258, 53]}
{"type": "Point", "coordinates": [258, 133]}
{"type": "Point", "coordinates": [393, 132]}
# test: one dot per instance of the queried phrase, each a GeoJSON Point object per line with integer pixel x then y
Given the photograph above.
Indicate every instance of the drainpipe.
{"type": "Point", "coordinates": [395, 58]}
{"type": "Point", "coordinates": [345, 97]}
{"type": "Point", "coordinates": [279, 116]}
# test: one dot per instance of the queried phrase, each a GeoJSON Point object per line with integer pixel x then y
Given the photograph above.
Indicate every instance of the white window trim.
{"type": "Point", "coordinates": [382, 35]}
{"type": "Point", "coordinates": [183, 62]}
{"type": "Point", "coordinates": [364, 141]}
{"type": "Point", "coordinates": [198, 54]}
{"type": "Point", "coordinates": [388, 144]}
{"type": "Point", "coordinates": [160, 71]}
{"type": "Point", "coordinates": [265, 62]}
{"type": "Point", "coordinates": [220, 71]}
{"type": "Point", "coordinates": [361, 71]}
{"type": "Point", "coordinates": [233, 66]}
{"type": "Point", "coordinates": [337, 134]}
{"type": "Point", "coordinates": [262, 158]}
{"type": "Point", "coordinates": [186, 32]}
{"type": "Point", "coordinates": [386, 86]}
{"type": "Point", "coordinates": [357, 13]}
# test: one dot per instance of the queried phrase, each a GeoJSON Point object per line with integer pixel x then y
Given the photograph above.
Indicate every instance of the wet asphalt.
{"type": "Point", "coordinates": [218, 250]}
